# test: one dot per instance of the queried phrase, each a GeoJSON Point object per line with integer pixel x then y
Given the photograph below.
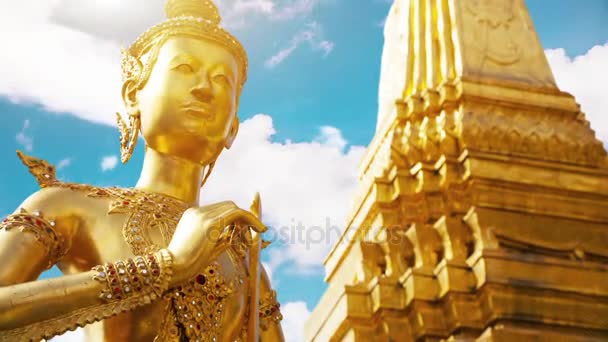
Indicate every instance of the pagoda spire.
{"type": "Point", "coordinates": [482, 207]}
{"type": "Point", "coordinates": [439, 42]}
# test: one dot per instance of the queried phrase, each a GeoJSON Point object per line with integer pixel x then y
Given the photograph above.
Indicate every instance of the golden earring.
{"type": "Point", "coordinates": [128, 135]}
{"type": "Point", "coordinates": [207, 173]}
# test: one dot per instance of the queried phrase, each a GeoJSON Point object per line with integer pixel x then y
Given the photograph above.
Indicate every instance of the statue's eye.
{"type": "Point", "coordinates": [221, 78]}
{"type": "Point", "coordinates": [185, 68]}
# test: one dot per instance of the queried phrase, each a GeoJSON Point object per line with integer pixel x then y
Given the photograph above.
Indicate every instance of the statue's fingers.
{"type": "Point", "coordinates": [219, 206]}
{"type": "Point", "coordinates": [246, 217]}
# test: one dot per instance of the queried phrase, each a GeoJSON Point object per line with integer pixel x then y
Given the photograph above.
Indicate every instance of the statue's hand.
{"type": "Point", "coordinates": [198, 233]}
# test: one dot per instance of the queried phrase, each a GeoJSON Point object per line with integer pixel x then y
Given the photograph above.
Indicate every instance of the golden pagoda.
{"type": "Point", "coordinates": [482, 208]}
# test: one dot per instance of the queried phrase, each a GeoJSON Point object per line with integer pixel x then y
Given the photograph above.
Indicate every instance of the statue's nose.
{"type": "Point", "coordinates": [202, 91]}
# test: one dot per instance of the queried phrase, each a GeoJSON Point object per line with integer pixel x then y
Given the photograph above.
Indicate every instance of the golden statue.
{"type": "Point", "coordinates": [148, 263]}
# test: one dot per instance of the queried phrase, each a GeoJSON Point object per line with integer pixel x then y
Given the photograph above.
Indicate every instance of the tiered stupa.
{"type": "Point", "coordinates": [482, 210]}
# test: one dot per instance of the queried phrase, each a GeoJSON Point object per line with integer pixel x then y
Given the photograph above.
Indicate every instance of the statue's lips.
{"type": "Point", "coordinates": [203, 111]}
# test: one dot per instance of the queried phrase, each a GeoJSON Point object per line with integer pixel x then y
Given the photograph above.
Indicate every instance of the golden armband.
{"type": "Point", "coordinates": [269, 310]}
{"type": "Point", "coordinates": [42, 229]}
{"type": "Point", "coordinates": [127, 285]}
{"type": "Point", "coordinates": [140, 276]}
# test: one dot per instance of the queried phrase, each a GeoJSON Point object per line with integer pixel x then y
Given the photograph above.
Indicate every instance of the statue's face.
{"type": "Point", "coordinates": [188, 106]}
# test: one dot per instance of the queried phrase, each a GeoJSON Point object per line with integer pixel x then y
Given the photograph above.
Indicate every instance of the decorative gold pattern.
{"type": "Point", "coordinates": [128, 135]}
{"type": "Point", "coordinates": [494, 18]}
{"type": "Point", "coordinates": [136, 276]}
{"type": "Point", "coordinates": [198, 306]}
{"type": "Point", "coordinates": [43, 230]}
{"type": "Point", "coordinates": [41, 169]}
{"type": "Point", "coordinates": [146, 212]}
{"type": "Point", "coordinates": [77, 318]}
{"type": "Point", "coordinates": [269, 310]}
{"type": "Point", "coordinates": [556, 136]}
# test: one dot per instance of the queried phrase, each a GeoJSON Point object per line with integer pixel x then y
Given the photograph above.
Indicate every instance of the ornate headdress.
{"type": "Point", "coordinates": [194, 18]}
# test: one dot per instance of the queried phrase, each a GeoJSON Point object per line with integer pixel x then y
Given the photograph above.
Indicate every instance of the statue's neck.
{"type": "Point", "coordinates": [172, 176]}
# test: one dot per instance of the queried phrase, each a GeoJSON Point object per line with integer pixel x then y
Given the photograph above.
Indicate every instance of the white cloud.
{"type": "Point", "coordinates": [60, 68]}
{"type": "Point", "coordinates": [259, 6]}
{"type": "Point", "coordinates": [331, 136]}
{"type": "Point", "coordinates": [295, 315]}
{"type": "Point", "coordinates": [23, 139]}
{"type": "Point", "coordinates": [65, 55]}
{"type": "Point", "coordinates": [70, 336]}
{"type": "Point", "coordinates": [109, 163]}
{"type": "Point", "coordinates": [130, 18]}
{"type": "Point", "coordinates": [241, 13]}
{"type": "Point", "coordinates": [584, 77]}
{"type": "Point", "coordinates": [312, 34]}
{"type": "Point", "coordinates": [306, 188]}
{"type": "Point", "coordinates": [63, 163]}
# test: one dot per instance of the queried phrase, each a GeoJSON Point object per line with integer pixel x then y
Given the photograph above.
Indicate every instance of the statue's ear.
{"type": "Point", "coordinates": [129, 95]}
{"type": "Point", "coordinates": [234, 129]}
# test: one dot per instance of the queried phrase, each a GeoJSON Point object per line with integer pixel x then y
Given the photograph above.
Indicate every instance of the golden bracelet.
{"type": "Point", "coordinates": [43, 230]}
{"type": "Point", "coordinates": [141, 275]}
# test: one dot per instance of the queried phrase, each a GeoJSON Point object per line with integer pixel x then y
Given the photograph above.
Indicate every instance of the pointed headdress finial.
{"type": "Point", "coordinates": [204, 9]}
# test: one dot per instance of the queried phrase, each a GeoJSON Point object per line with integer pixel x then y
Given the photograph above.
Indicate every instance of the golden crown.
{"type": "Point", "coordinates": [198, 18]}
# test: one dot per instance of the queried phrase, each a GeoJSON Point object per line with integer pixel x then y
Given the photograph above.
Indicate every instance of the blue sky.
{"type": "Point", "coordinates": [306, 116]}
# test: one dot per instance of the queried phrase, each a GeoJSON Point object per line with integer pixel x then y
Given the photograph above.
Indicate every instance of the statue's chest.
{"type": "Point", "coordinates": [149, 219]}
{"type": "Point", "coordinates": [197, 308]}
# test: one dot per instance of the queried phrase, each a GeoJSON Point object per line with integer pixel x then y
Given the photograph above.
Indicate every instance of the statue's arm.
{"type": "Point", "coordinates": [46, 308]}
{"type": "Point", "coordinates": [35, 237]}
{"type": "Point", "coordinates": [270, 314]}
{"type": "Point", "coordinates": [23, 305]}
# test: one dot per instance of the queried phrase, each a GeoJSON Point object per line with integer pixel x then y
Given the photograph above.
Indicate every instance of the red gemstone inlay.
{"type": "Point", "coordinates": [211, 297]}
{"type": "Point", "coordinates": [125, 202]}
{"type": "Point", "coordinates": [112, 272]}
{"type": "Point", "coordinates": [201, 279]}
{"type": "Point", "coordinates": [117, 290]}
{"type": "Point", "coordinates": [155, 272]}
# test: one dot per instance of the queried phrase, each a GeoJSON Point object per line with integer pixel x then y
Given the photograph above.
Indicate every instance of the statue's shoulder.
{"type": "Point", "coordinates": [45, 174]}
